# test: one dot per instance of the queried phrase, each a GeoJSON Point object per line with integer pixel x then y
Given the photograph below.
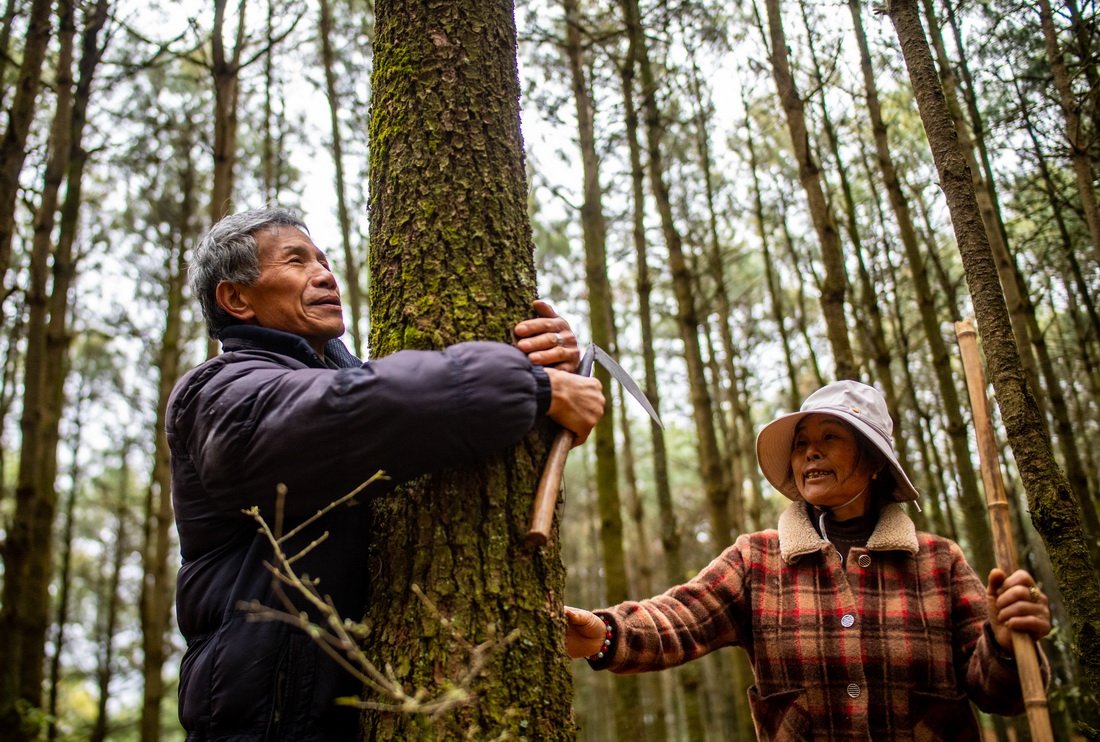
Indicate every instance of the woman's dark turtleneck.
{"type": "Point", "coordinates": [844, 534]}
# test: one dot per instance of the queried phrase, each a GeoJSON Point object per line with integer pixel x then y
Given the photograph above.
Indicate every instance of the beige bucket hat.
{"type": "Point", "coordinates": [860, 405]}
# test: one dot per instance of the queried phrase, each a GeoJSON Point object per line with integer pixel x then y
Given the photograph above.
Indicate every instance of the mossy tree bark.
{"type": "Point", "coordinates": [452, 259]}
{"type": "Point", "coordinates": [1053, 507]}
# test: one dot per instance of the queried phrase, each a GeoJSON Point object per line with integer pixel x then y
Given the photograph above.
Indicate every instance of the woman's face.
{"type": "Point", "coordinates": [828, 464]}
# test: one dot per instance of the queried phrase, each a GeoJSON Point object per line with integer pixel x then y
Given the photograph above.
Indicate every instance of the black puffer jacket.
{"type": "Point", "coordinates": [270, 411]}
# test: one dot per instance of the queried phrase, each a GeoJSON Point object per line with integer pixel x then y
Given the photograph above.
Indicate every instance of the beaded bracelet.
{"type": "Point", "coordinates": [606, 644]}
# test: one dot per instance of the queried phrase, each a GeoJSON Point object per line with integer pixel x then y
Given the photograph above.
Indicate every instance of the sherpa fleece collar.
{"type": "Point", "coordinates": [798, 537]}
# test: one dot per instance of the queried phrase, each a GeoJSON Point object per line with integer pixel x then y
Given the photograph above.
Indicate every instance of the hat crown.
{"type": "Point", "coordinates": [856, 399]}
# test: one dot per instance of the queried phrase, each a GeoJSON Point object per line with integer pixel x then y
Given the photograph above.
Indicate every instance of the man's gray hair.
{"type": "Point", "coordinates": [228, 252]}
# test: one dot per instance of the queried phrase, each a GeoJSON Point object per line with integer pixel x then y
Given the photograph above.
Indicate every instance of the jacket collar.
{"type": "Point", "coordinates": [798, 537]}
{"type": "Point", "coordinates": [251, 337]}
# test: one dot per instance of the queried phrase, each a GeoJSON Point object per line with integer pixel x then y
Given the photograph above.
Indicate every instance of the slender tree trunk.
{"type": "Point", "coordinates": [1075, 138]}
{"type": "Point", "coordinates": [156, 594]}
{"type": "Point", "coordinates": [973, 506]}
{"type": "Point", "coordinates": [64, 580]}
{"type": "Point", "coordinates": [715, 481]}
{"type": "Point", "coordinates": [880, 350]}
{"type": "Point", "coordinates": [801, 319]}
{"type": "Point", "coordinates": [628, 719]}
{"type": "Point", "coordinates": [5, 49]}
{"type": "Point", "coordinates": [109, 606]}
{"type": "Point", "coordinates": [13, 149]}
{"type": "Point", "coordinates": [351, 261]}
{"type": "Point", "coordinates": [1053, 507]}
{"type": "Point", "coordinates": [28, 550]}
{"type": "Point", "coordinates": [985, 193]}
{"type": "Point", "coordinates": [690, 675]}
{"type": "Point", "coordinates": [225, 71]}
{"type": "Point", "coordinates": [449, 198]}
{"type": "Point", "coordinates": [809, 174]}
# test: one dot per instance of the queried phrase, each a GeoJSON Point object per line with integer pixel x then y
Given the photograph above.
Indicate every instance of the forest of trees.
{"type": "Point", "coordinates": [739, 201]}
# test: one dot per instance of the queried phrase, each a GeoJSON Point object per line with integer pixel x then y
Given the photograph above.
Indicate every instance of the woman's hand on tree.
{"type": "Point", "coordinates": [548, 340]}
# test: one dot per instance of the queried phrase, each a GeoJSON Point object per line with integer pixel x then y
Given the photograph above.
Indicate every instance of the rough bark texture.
{"type": "Point", "coordinates": [834, 286]}
{"type": "Point", "coordinates": [1053, 507]}
{"type": "Point", "coordinates": [451, 259]}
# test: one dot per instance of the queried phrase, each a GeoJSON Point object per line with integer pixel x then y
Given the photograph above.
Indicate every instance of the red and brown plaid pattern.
{"type": "Point", "coordinates": [891, 647]}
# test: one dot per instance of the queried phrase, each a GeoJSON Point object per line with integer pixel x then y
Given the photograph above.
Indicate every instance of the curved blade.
{"type": "Point", "coordinates": [620, 375]}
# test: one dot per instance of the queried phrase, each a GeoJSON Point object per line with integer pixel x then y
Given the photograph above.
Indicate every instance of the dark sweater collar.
{"type": "Point", "coordinates": [251, 337]}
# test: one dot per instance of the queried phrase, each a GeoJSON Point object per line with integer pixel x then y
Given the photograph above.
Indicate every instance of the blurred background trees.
{"type": "Point", "coordinates": [739, 199]}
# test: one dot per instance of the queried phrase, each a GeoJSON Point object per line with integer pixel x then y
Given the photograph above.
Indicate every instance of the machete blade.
{"type": "Point", "coordinates": [620, 375]}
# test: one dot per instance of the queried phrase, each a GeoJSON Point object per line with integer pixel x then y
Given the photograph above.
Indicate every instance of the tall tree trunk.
{"type": "Point", "coordinates": [689, 676]}
{"type": "Point", "coordinates": [972, 504]}
{"type": "Point", "coordinates": [156, 593]}
{"type": "Point", "coordinates": [801, 317]}
{"type": "Point", "coordinates": [985, 193]}
{"type": "Point", "coordinates": [775, 293]}
{"type": "Point", "coordinates": [351, 260]}
{"type": "Point", "coordinates": [28, 550]}
{"type": "Point", "coordinates": [715, 481]}
{"type": "Point", "coordinates": [13, 149]}
{"type": "Point", "coordinates": [225, 71]}
{"type": "Point", "coordinates": [1075, 138]}
{"type": "Point", "coordinates": [880, 350]}
{"type": "Point", "coordinates": [834, 286]}
{"type": "Point", "coordinates": [5, 48]}
{"type": "Point", "coordinates": [110, 600]}
{"type": "Point", "coordinates": [65, 571]}
{"type": "Point", "coordinates": [1050, 499]}
{"type": "Point", "coordinates": [628, 721]}
{"type": "Point", "coordinates": [449, 198]}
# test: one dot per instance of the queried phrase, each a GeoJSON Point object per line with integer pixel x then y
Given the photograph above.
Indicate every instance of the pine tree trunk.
{"type": "Point", "coordinates": [448, 201]}
{"type": "Point", "coordinates": [1071, 114]}
{"type": "Point", "coordinates": [1054, 511]}
{"type": "Point", "coordinates": [156, 594]}
{"type": "Point", "coordinates": [715, 481]}
{"type": "Point", "coordinates": [5, 49]}
{"type": "Point", "coordinates": [972, 504]}
{"type": "Point", "coordinates": [225, 71]}
{"type": "Point", "coordinates": [834, 286]}
{"type": "Point", "coordinates": [351, 262]}
{"type": "Point", "coordinates": [628, 705]}
{"type": "Point", "coordinates": [13, 149]}
{"type": "Point", "coordinates": [28, 550]}
{"type": "Point", "coordinates": [109, 607]}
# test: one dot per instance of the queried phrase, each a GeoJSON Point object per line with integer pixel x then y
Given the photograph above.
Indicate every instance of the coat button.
{"type": "Point", "coordinates": [847, 620]}
{"type": "Point", "coordinates": [864, 561]}
{"type": "Point", "coordinates": [853, 690]}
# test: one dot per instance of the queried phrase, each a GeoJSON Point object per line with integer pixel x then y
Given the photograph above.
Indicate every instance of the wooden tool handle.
{"type": "Point", "coordinates": [546, 497]}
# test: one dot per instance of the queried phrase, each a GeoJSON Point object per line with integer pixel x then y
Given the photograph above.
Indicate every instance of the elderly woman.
{"type": "Point", "coordinates": [858, 627]}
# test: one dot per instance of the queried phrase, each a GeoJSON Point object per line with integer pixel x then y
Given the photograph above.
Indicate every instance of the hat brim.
{"type": "Point", "coordinates": [776, 440]}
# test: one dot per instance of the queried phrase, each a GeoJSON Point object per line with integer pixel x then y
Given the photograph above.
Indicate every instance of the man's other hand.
{"type": "Point", "coordinates": [576, 402]}
{"type": "Point", "coordinates": [547, 339]}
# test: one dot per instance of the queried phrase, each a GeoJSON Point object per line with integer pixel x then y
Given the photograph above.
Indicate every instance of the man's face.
{"type": "Point", "coordinates": [296, 292]}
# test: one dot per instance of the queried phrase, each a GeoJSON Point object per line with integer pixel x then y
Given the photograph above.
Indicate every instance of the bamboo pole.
{"type": "Point", "coordinates": [1027, 659]}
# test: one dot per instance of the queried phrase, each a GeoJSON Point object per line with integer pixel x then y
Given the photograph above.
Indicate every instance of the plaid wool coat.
{"type": "Point", "coordinates": [891, 646]}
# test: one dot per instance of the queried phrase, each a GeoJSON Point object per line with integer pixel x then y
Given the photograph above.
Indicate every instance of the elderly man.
{"type": "Point", "coordinates": [287, 404]}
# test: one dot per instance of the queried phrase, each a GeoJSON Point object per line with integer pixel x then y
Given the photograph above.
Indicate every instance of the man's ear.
{"type": "Point", "coordinates": [232, 299]}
